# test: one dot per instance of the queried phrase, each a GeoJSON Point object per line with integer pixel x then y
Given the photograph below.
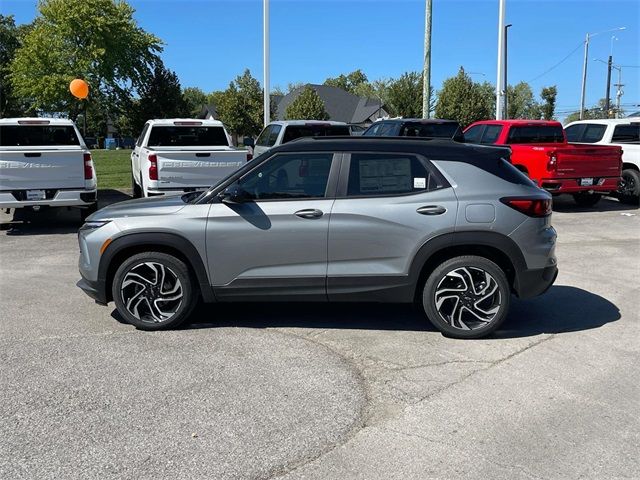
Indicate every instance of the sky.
{"type": "Point", "coordinates": [209, 42]}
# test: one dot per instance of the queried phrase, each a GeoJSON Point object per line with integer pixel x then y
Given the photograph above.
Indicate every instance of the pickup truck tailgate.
{"type": "Point", "coordinates": [192, 169]}
{"type": "Point", "coordinates": [22, 169]}
{"type": "Point", "coordinates": [588, 161]}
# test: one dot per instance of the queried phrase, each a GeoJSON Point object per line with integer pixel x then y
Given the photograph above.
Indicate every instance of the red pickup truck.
{"type": "Point", "coordinates": [540, 149]}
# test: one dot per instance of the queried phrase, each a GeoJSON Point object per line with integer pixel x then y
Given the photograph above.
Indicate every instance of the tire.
{"type": "Point", "coordinates": [137, 191]}
{"type": "Point", "coordinates": [630, 191]}
{"type": "Point", "coordinates": [452, 313]}
{"type": "Point", "coordinates": [85, 212]}
{"type": "Point", "coordinates": [585, 199]}
{"type": "Point", "coordinates": [136, 291]}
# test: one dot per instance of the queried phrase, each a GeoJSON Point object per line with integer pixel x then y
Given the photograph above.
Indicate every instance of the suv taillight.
{"type": "Point", "coordinates": [533, 207]}
{"type": "Point", "coordinates": [88, 169]}
{"type": "Point", "coordinates": [153, 167]}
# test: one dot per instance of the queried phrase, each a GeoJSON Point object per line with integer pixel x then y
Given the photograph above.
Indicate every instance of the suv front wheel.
{"type": "Point", "coordinates": [154, 290]}
{"type": "Point", "coordinates": [466, 297]}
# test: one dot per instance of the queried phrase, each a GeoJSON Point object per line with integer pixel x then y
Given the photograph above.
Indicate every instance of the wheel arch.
{"type": "Point", "coordinates": [496, 247]}
{"type": "Point", "coordinates": [172, 244]}
{"type": "Point", "coordinates": [630, 166]}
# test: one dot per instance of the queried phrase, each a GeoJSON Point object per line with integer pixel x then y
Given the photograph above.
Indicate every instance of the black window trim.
{"type": "Point", "coordinates": [343, 183]}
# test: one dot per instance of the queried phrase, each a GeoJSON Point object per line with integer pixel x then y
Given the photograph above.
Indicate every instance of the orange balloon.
{"type": "Point", "coordinates": [79, 88]}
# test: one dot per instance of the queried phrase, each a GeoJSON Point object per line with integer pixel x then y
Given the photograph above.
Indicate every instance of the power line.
{"type": "Point", "coordinates": [557, 64]}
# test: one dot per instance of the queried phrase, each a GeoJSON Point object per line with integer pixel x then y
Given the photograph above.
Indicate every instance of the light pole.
{"type": "Point", "coordinates": [506, 83]}
{"type": "Point", "coordinates": [619, 85]}
{"type": "Point", "coordinates": [584, 67]}
{"type": "Point", "coordinates": [265, 60]}
{"type": "Point", "coordinates": [500, 88]}
{"type": "Point", "coordinates": [426, 74]}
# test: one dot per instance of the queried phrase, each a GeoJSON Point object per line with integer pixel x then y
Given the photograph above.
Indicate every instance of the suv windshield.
{"type": "Point", "coordinates": [170, 136]}
{"type": "Point", "coordinates": [38, 135]}
{"type": "Point", "coordinates": [536, 134]}
{"type": "Point", "coordinates": [297, 131]}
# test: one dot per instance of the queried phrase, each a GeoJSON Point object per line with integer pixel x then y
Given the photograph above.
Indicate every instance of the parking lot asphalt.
{"type": "Point", "coordinates": [322, 391]}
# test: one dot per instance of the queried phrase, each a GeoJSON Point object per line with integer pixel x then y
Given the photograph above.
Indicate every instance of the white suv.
{"type": "Point", "coordinates": [279, 133]}
{"type": "Point", "coordinates": [44, 162]}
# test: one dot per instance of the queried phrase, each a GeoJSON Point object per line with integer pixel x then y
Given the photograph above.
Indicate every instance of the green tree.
{"type": "Point", "coordinates": [348, 82]}
{"type": "Point", "coordinates": [160, 98]}
{"type": "Point", "coordinates": [404, 95]}
{"type": "Point", "coordinates": [464, 100]}
{"type": "Point", "coordinates": [240, 107]}
{"type": "Point", "coordinates": [308, 106]}
{"type": "Point", "coordinates": [194, 99]}
{"type": "Point", "coordinates": [521, 103]}
{"type": "Point", "coordinates": [97, 40]}
{"type": "Point", "coordinates": [10, 40]}
{"type": "Point", "coordinates": [595, 113]}
{"type": "Point", "coordinates": [548, 95]}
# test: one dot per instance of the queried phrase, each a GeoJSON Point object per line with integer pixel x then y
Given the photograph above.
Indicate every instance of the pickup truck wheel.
{"type": "Point", "coordinates": [630, 190]}
{"type": "Point", "coordinates": [85, 212]}
{"type": "Point", "coordinates": [466, 297]}
{"type": "Point", "coordinates": [585, 199]}
{"type": "Point", "coordinates": [154, 291]}
{"type": "Point", "coordinates": [137, 192]}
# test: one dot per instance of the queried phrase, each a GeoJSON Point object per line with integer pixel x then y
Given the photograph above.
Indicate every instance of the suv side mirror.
{"type": "Point", "coordinates": [248, 142]}
{"type": "Point", "coordinates": [234, 194]}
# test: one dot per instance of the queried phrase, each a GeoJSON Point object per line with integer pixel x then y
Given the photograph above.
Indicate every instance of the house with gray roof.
{"type": "Point", "coordinates": [341, 105]}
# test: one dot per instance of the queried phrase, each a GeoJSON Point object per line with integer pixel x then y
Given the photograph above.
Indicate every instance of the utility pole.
{"type": "Point", "coordinates": [500, 87]}
{"type": "Point", "coordinates": [619, 91]}
{"type": "Point", "coordinates": [426, 73]}
{"type": "Point", "coordinates": [506, 82]}
{"type": "Point", "coordinates": [265, 60]}
{"type": "Point", "coordinates": [607, 101]}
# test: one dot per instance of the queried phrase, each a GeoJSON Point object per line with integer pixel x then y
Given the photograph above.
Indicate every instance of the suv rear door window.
{"type": "Point", "coordinates": [314, 130]}
{"type": "Point", "coordinates": [38, 135]}
{"type": "Point", "coordinates": [535, 134]}
{"type": "Point", "coordinates": [179, 136]}
{"type": "Point", "coordinates": [373, 174]}
{"type": "Point", "coordinates": [626, 134]}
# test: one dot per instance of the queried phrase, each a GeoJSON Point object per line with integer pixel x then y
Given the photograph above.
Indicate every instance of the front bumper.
{"type": "Point", "coordinates": [93, 289]}
{"type": "Point", "coordinates": [572, 185]}
{"type": "Point", "coordinates": [59, 198]}
{"type": "Point", "coordinates": [533, 282]}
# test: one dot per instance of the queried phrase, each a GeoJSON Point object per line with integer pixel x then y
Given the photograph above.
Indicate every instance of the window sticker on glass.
{"type": "Point", "coordinates": [385, 175]}
{"type": "Point", "coordinates": [419, 183]}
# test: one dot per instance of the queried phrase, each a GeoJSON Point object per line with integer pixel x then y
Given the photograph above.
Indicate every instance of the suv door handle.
{"type": "Point", "coordinates": [431, 210]}
{"type": "Point", "coordinates": [310, 213]}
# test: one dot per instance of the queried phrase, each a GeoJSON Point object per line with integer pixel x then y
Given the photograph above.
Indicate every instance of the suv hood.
{"type": "Point", "coordinates": [140, 207]}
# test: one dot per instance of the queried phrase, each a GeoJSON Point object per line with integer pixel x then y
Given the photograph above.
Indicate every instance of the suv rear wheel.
{"type": "Point", "coordinates": [466, 297]}
{"type": "Point", "coordinates": [154, 290]}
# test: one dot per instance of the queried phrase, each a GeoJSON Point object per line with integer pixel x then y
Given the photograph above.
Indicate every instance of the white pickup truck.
{"type": "Point", "coordinates": [44, 162]}
{"type": "Point", "coordinates": [623, 132]}
{"type": "Point", "coordinates": [182, 155]}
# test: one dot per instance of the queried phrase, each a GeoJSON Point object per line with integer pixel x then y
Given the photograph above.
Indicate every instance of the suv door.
{"type": "Point", "coordinates": [387, 206]}
{"type": "Point", "coordinates": [275, 243]}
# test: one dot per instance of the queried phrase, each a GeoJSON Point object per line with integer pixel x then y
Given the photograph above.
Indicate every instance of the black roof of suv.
{"type": "Point", "coordinates": [416, 127]}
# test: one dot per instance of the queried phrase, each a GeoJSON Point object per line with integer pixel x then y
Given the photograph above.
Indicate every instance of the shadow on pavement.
{"type": "Point", "coordinates": [565, 204]}
{"type": "Point", "coordinates": [53, 221]}
{"type": "Point", "coordinates": [562, 309]}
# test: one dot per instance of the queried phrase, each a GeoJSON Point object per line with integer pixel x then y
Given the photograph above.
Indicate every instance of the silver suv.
{"type": "Point", "coordinates": [452, 227]}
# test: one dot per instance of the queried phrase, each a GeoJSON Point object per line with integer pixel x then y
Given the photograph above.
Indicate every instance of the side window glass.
{"type": "Point", "coordinates": [473, 134]}
{"type": "Point", "coordinates": [593, 133]}
{"type": "Point", "coordinates": [626, 134]}
{"type": "Point", "coordinates": [574, 132]}
{"type": "Point", "coordinates": [296, 175]}
{"type": "Point", "coordinates": [273, 135]}
{"type": "Point", "coordinates": [142, 135]}
{"type": "Point", "coordinates": [374, 174]}
{"type": "Point", "coordinates": [263, 138]}
{"type": "Point", "coordinates": [491, 134]}
{"type": "Point", "coordinates": [373, 131]}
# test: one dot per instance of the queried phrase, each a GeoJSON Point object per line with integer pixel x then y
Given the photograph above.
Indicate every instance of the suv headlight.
{"type": "Point", "coordinates": [93, 225]}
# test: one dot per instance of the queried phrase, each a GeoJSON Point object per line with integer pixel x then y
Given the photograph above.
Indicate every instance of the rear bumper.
{"type": "Point", "coordinates": [534, 282]}
{"type": "Point", "coordinates": [59, 198]}
{"type": "Point", "coordinates": [572, 185]}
